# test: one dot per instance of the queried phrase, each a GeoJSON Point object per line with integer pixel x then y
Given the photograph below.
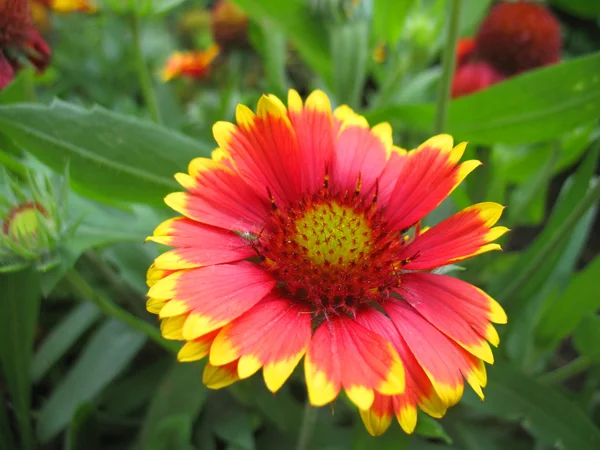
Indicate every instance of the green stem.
{"type": "Point", "coordinates": [448, 63]}
{"type": "Point", "coordinates": [570, 369]}
{"type": "Point", "coordinates": [560, 233]}
{"type": "Point", "coordinates": [83, 288]}
{"type": "Point", "coordinates": [143, 73]}
{"type": "Point", "coordinates": [308, 425]}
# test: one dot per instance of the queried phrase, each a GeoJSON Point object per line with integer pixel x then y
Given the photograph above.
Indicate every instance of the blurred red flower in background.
{"type": "Point", "coordinates": [229, 25]}
{"type": "Point", "coordinates": [513, 38]}
{"type": "Point", "coordinates": [18, 37]}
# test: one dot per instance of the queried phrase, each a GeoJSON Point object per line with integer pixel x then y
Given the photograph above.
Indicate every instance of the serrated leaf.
{"type": "Point", "coordinates": [107, 353]}
{"type": "Point", "coordinates": [111, 156]}
{"type": "Point", "coordinates": [538, 105]}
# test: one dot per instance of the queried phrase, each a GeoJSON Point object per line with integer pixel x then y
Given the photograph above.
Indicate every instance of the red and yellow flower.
{"type": "Point", "coordinates": [19, 37]}
{"type": "Point", "coordinates": [514, 38]}
{"type": "Point", "coordinates": [301, 238]}
{"type": "Point", "coordinates": [192, 64]}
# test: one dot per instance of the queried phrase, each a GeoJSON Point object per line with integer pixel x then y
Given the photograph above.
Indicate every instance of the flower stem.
{"type": "Point", "coordinates": [448, 63]}
{"type": "Point", "coordinates": [560, 233]}
{"type": "Point", "coordinates": [309, 419]}
{"type": "Point", "coordinates": [570, 369]}
{"type": "Point", "coordinates": [143, 73]}
{"type": "Point", "coordinates": [83, 288]}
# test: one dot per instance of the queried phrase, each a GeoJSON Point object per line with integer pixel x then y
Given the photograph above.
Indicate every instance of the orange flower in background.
{"type": "Point", "coordinates": [40, 10]}
{"type": "Point", "coordinates": [18, 37]}
{"type": "Point", "coordinates": [68, 6]}
{"type": "Point", "coordinates": [229, 25]}
{"type": "Point", "coordinates": [192, 64]}
{"type": "Point", "coordinates": [513, 38]}
{"type": "Point", "coordinates": [301, 237]}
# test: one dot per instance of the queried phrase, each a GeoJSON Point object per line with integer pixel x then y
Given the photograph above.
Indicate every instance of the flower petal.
{"type": "Point", "coordinates": [219, 197]}
{"type": "Point", "coordinates": [344, 353]}
{"type": "Point", "coordinates": [430, 174]}
{"type": "Point", "coordinates": [378, 418]}
{"type": "Point", "coordinates": [444, 362]}
{"type": "Point", "coordinates": [313, 124]}
{"type": "Point", "coordinates": [461, 236]}
{"type": "Point", "coordinates": [390, 175]}
{"type": "Point", "coordinates": [275, 334]}
{"type": "Point", "coordinates": [154, 274]}
{"type": "Point", "coordinates": [217, 377]}
{"type": "Point", "coordinates": [198, 348]}
{"type": "Point", "coordinates": [426, 299]}
{"type": "Point", "coordinates": [212, 296]}
{"type": "Point", "coordinates": [264, 148]}
{"type": "Point", "coordinates": [419, 390]}
{"type": "Point", "coordinates": [474, 305]}
{"type": "Point", "coordinates": [360, 157]}
{"type": "Point", "coordinates": [172, 327]}
{"type": "Point", "coordinates": [198, 245]}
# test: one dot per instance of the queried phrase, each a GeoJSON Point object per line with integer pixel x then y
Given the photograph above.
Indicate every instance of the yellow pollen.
{"type": "Point", "coordinates": [333, 234]}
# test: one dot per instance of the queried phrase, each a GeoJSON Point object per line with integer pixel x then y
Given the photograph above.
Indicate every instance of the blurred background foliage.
{"type": "Point", "coordinates": [96, 140]}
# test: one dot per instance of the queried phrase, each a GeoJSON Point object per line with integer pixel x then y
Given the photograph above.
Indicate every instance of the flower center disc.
{"type": "Point", "coordinates": [333, 252]}
{"type": "Point", "coordinates": [333, 235]}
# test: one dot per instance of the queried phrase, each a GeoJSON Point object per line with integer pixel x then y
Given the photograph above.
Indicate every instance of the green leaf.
{"type": "Point", "coordinates": [588, 9]}
{"type": "Point", "coordinates": [141, 7]}
{"type": "Point", "coordinates": [76, 436]}
{"type": "Point", "coordinates": [172, 433]}
{"type": "Point", "coordinates": [15, 91]}
{"type": "Point", "coordinates": [180, 393]}
{"type": "Point", "coordinates": [525, 195]}
{"type": "Point", "coordinates": [542, 410]}
{"type": "Point", "coordinates": [270, 42]}
{"type": "Point", "coordinates": [62, 337]}
{"type": "Point", "coordinates": [429, 427]}
{"type": "Point", "coordinates": [304, 30]}
{"type": "Point", "coordinates": [586, 337]}
{"type": "Point", "coordinates": [20, 309]}
{"type": "Point", "coordinates": [566, 311]}
{"type": "Point", "coordinates": [5, 432]}
{"type": "Point", "coordinates": [105, 356]}
{"type": "Point", "coordinates": [126, 396]}
{"type": "Point", "coordinates": [231, 422]}
{"type": "Point", "coordinates": [111, 156]}
{"type": "Point", "coordinates": [388, 19]}
{"type": "Point", "coordinates": [552, 276]}
{"type": "Point", "coordinates": [281, 409]}
{"type": "Point", "coordinates": [519, 284]}
{"type": "Point", "coordinates": [472, 14]}
{"type": "Point", "coordinates": [393, 439]}
{"type": "Point", "coordinates": [350, 53]}
{"type": "Point", "coordinates": [535, 106]}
